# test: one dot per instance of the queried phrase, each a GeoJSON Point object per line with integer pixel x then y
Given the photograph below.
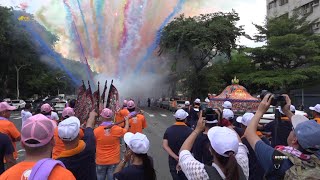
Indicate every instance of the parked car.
{"type": "Point", "coordinates": [59, 106]}
{"type": "Point", "coordinates": [18, 103]}
{"type": "Point", "coordinates": [270, 115]}
{"type": "Point", "coordinates": [8, 100]}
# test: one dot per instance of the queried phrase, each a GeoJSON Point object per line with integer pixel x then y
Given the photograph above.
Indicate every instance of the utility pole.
{"type": "Point", "coordinates": [18, 71]}
{"type": "Point", "coordinates": [58, 79]}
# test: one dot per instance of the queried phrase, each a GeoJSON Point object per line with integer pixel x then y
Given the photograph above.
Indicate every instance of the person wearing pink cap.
{"type": "Point", "coordinates": [7, 127]}
{"type": "Point", "coordinates": [108, 145]}
{"type": "Point", "coordinates": [37, 140]}
{"type": "Point", "coordinates": [136, 123]}
{"type": "Point", "coordinates": [120, 115]}
{"type": "Point", "coordinates": [46, 110]}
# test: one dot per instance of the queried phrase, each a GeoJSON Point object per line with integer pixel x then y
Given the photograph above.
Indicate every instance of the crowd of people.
{"type": "Point", "coordinates": [202, 143]}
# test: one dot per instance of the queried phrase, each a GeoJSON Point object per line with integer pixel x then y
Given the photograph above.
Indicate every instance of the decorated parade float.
{"type": "Point", "coordinates": [238, 95]}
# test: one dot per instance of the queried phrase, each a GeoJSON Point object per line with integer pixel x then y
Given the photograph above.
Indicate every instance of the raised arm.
{"type": "Point", "coordinates": [250, 132]}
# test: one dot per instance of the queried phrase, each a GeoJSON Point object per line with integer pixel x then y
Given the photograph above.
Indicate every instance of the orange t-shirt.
{"type": "Point", "coordinates": [318, 120]}
{"type": "Point", "coordinates": [7, 127]}
{"type": "Point", "coordinates": [59, 146]}
{"type": "Point", "coordinates": [21, 171]}
{"type": "Point", "coordinates": [108, 144]}
{"type": "Point", "coordinates": [137, 124]}
{"type": "Point", "coordinates": [121, 115]}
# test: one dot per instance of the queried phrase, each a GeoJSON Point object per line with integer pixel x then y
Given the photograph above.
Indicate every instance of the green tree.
{"type": "Point", "coordinates": [290, 56]}
{"type": "Point", "coordinates": [199, 40]}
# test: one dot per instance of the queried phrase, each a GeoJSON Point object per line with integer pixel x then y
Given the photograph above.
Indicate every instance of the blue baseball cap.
{"type": "Point", "coordinates": [307, 132]}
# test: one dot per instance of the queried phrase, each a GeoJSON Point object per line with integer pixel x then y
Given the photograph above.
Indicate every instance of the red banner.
{"type": "Point", "coordinates": [78, 109]}
{"type": "Point", "coordinates": [113, 99]}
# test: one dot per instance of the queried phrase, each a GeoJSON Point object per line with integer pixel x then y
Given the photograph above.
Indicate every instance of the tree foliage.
{"type": "Point", "coordinates": [290, 56]}
{"type": "Point", "coordinates": [199, 39]}
{"type": "Point", "coordinates": [18, 48]}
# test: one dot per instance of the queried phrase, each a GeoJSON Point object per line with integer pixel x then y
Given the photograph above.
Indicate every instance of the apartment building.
{"type": "Point", "coordinates": [276, 8]}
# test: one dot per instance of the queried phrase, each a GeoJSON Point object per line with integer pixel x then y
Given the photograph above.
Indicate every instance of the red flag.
{"type": "Point", "coordinates": [78, 109]}
{"type": "Point", "coordinates": [113, 98]}
{"type": "Point", "coordinates": [96, 99]}
{"type": "Point", "coordinates": [89, 104]}
{"type": "Point", "coordinates": [103, 96]}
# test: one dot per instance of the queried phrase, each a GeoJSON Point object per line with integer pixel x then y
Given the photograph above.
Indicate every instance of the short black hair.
{"type": "Point", "coordinates": [72, 103]}
{"type": "Point", "coordinates": [28, 106]}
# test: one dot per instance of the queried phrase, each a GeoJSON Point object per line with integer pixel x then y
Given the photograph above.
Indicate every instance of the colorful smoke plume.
{"type": "Point", "coordinates": [115, 38]}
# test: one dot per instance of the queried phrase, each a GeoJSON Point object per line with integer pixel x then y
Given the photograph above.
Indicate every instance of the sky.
{"type": "Point", "coordinates": [117, 32]}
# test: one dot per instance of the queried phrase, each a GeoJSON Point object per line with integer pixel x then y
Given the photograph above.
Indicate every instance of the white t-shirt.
{"type": "Point", "coordinates": [25, 115]}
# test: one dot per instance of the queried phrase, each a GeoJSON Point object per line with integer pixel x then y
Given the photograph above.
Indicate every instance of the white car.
{"type": "Point", "coordinates": [270, 115]}
{"type": "Point", "coordinates": [18, 103]}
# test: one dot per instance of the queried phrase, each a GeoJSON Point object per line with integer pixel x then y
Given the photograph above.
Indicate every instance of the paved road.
{"type": "Point", "coordinates": [157, 119]}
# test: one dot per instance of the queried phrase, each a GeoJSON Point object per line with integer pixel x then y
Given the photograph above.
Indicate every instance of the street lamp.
{"type": "Point", "coordinates": [58, 80]}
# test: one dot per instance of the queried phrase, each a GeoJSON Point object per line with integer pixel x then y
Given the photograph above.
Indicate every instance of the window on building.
{"type": "Point", "coordinates": [272, 4]}
{"type": "Point", "coordinates": [283, 2]}
{"type": "Point", "coordinates": [306, 9]}
{"type": "Point", "coordinates": [315, 3]}
{"type": "Point", "coordinates": [316, 26]}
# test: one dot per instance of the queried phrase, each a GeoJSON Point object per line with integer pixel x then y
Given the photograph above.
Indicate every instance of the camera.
{"type": "Point", "coordinates": [277, 100]}
{"type": "Point", "coordinates": [209, 114]}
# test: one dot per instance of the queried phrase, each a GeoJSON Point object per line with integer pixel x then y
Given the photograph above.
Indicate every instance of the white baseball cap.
{"type": "Point", "coordinates": [316, 108]}
{"type": "Point", "coordinates": [227, 105]}
{"type": "Point", "coordinates": [197, 101]}
{"type": "Point", "coordinates": [227, 114]}
{"type": "Point", "coordinates": [207, 100]}
{"type": "Point", "coordinates": [223, 140]}
{"type": "Point", "coordinates": [181, 114]}
{"type": "Point", "coordinates": [292, 109]}
{"type": "Point", "coordinates": [245, 119]}
{"type": "Point", "coordinates": [137, 142]}
{"type": "Point", "coordinates": [69, 128]}
{"type": "Point", "coordinates": [187, 103]}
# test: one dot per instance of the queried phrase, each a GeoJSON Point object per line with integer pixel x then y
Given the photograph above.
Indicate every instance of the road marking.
{"type": "Point", "coordinates": [16, 118]}
{"type": "Point", "coordinates": [163, 115]}
{"type": "Point", "coordinates": [151, 115]}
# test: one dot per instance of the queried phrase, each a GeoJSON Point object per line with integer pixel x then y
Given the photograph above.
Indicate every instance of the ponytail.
{"type": "Point", "coordinates": [149, 172]}
{"type": "Point", "coordinates": [230, 165]}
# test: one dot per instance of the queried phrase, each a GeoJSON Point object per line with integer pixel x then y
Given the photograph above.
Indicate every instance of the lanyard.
{"type": "Point", "coordinates": [3, 118]}
{"type": "Point", "coordinates": [106, 124]}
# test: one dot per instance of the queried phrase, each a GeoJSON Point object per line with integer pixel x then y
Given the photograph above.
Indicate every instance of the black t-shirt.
{"type": "Point", "coordinates": [132, 172]}
{"type": "Point", "coordinates": [256, 172]}
{"type": "Point", "coordinates": [176, 135]}
{"type": "Point", "coordinates": [192, 118]}
{"type": "Point", "coordinates": [283, 131]}
{"type": "Point", "coordinates": [5, 149]}
{"type": "Point", "coordinates": [201, 151]}
{"type": "Point", "coordinates": [83, 165]}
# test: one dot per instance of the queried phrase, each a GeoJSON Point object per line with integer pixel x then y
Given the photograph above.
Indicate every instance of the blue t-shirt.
{"type": "Point", "coordinates": [176, 135]}
{"type": "Point", "coordinates": [200, 150]}
{"type": "Point", "coordinates": [132, 172]}
{"type": "Point", "coordinates": [264, 155]}
{"type": "Point", "coordinates": [83, 165]}
{"type": "Point", "coordinates": [6, 148]}
{"type": "Point", "coordinates": [283, 130]}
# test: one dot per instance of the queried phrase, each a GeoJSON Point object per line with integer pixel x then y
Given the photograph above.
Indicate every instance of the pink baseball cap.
{"type": "Point", "coordinates": [106, 113]}
{"type": "Point", "coordinates": [38, 128]}
{"type": "Point", "coordinates": [131, 105]}
{"type": "Point", "coordinates": [4, 106]}
{"type": "Point", "coordinates": [46, 108]}
{"type": "Point", "coordinates": [68, 111]}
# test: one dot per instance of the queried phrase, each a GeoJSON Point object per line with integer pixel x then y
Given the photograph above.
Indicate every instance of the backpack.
{"type": "Point", "coordinates": [43, 168]}
{"type": "Point", "coordinates": [214, 174]}
{"type": "Point", "coordinates": [302, 169]}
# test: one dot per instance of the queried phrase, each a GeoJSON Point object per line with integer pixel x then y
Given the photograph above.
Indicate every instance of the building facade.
{"type": "Point", "coordinates": [277, 8]}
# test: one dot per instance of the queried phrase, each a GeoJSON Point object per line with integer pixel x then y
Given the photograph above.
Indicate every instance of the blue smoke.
{"type": "Point", "coordinates": [156, 42]}
{"type": "Point", "coordinates": [51, 53]}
